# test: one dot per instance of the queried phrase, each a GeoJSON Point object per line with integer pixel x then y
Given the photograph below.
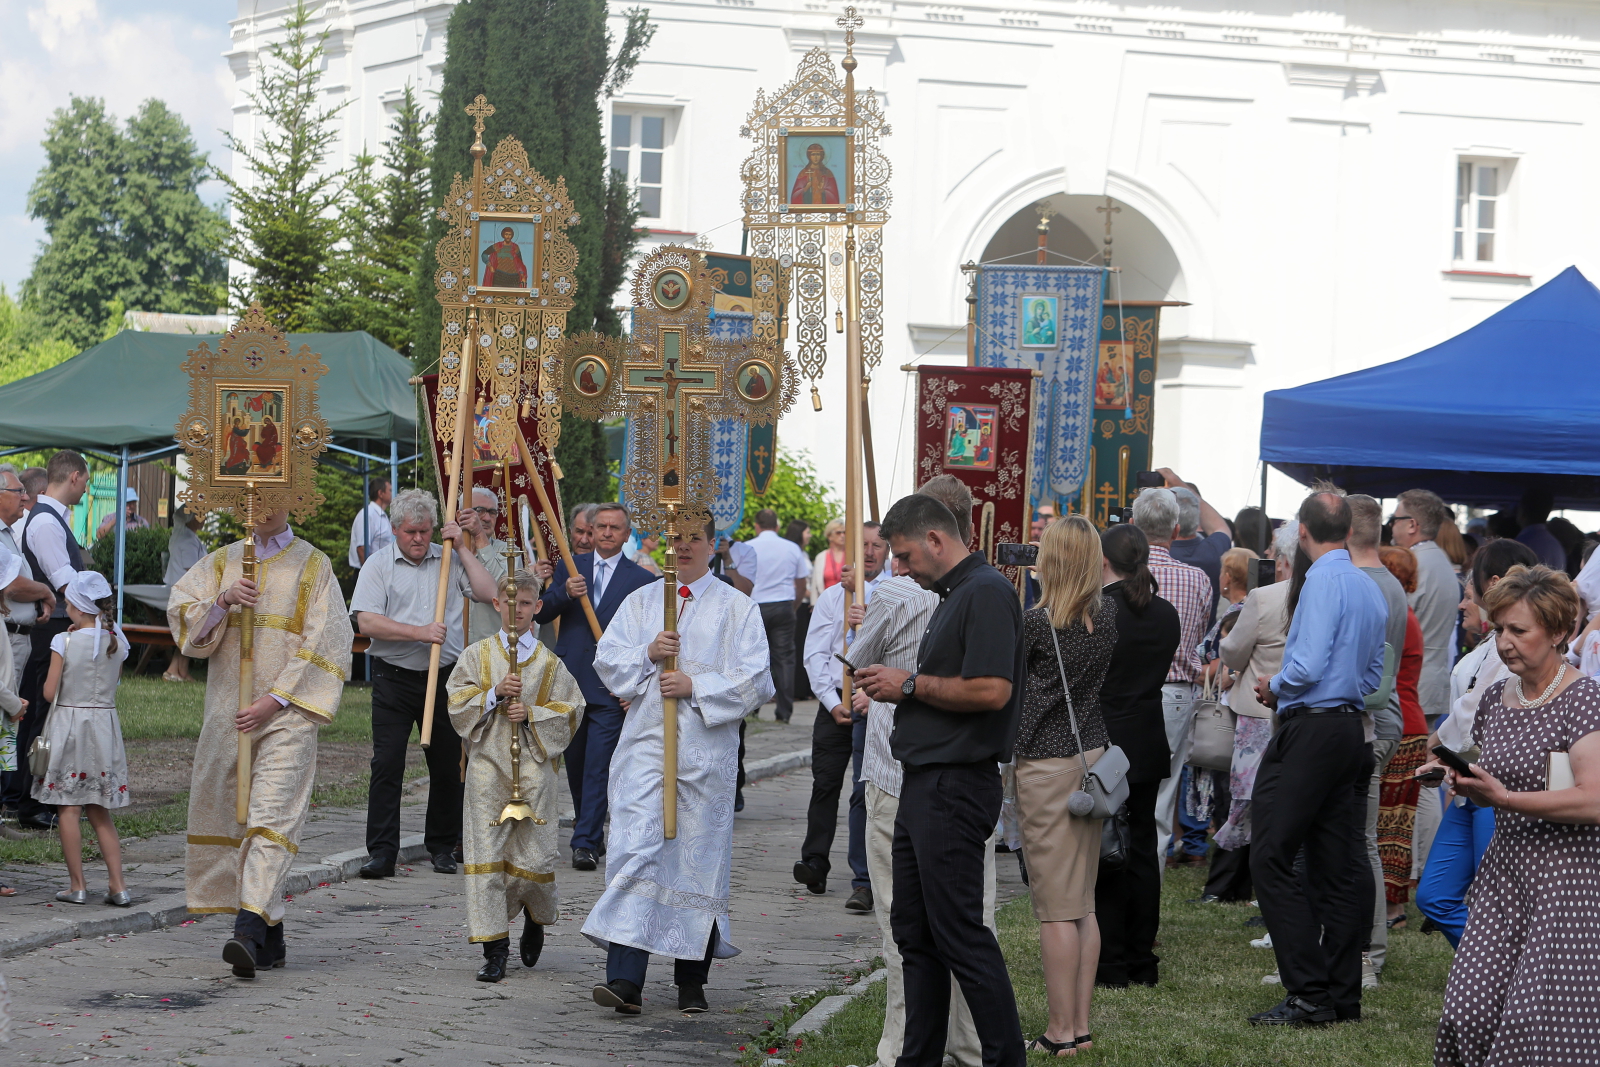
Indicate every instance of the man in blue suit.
{"type": "Point", "coordinates": [608, 577]}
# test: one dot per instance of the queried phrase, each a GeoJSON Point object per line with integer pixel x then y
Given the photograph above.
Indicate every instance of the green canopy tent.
{"type": "Point", "coordinates": [121, 399]}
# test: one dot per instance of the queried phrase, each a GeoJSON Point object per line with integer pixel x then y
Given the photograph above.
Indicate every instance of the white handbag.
{"type": "Point", "coordinates": [1105, 785]}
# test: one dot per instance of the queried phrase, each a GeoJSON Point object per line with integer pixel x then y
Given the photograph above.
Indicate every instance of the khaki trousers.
{"type": "Point", "coordinates": [961, 1043]}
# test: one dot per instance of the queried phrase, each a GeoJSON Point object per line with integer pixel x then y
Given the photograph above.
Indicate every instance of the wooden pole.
{"type": "Point", "coordinates": [465, 393]}
{"type": "Point", "coordinates": [556, 528]}
{"type": "Point", "coordinates": [669, 705]}
{"type": "Point", "coordinates": [854, 367]}
{"type": "Point", "coordinates": [866, 450]}
{"type": "Point", "coordinates": [247, 657]}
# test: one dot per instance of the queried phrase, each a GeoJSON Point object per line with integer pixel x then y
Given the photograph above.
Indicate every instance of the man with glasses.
{"type": "Point", "coordinates": [1417, 518]}
{"type": "Point", "coordinates": [23, 595]}
{"type": "Point", "coordinates": [607, 576]}
{"type": "Point", "coordinates": [478, 522]}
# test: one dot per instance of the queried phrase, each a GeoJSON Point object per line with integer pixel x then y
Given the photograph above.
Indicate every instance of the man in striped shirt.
{"type": "Point", "coordinates": [889, 633]}
{"type": "Point", "coordinates": [1155, 511]}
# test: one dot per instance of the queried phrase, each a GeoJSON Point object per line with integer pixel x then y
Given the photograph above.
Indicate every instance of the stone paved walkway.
{"type": "Point", "coordinates": [380, 972]}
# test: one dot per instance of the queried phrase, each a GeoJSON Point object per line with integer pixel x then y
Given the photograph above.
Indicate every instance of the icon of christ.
{"type": "Point", "coordinates": [503, 267]}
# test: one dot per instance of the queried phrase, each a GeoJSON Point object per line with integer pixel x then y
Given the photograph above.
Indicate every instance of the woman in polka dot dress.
{"type": "Point", "coordinates": [1525, 985]}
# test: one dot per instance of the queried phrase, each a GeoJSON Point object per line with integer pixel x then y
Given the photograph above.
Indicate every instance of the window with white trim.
{"type": "Point", "coordinates": [1482, 216]}
{"type": "Point", "coordinates": [641, 140]}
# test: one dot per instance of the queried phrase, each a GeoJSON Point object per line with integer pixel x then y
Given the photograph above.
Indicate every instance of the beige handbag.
{"type": "Point", "coordinates": [1212, 748]}
{"type": "Point", "coordinates": [39, 757]}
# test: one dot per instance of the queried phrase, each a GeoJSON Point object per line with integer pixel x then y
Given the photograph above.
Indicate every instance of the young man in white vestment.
{"type": "Point", "coordinates": [511, 863]}
{"type": "Point", "coordinates": [671, 897]}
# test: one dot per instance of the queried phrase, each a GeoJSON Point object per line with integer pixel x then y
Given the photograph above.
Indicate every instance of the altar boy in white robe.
{"type": "Point", "coordinates": [671, 897]}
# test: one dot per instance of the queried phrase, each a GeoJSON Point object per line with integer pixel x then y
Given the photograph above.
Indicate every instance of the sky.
{"type": "Point", "coordinates": [124, 51]}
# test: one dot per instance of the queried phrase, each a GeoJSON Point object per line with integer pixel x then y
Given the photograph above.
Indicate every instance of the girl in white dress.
{"type": "Point", "coordinates": [88, 765]}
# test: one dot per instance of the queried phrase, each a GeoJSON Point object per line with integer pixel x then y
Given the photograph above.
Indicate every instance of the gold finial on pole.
{"type": "Point", "coordinates": [1047, 211]}
{"type": "Point", "coordinates": [849, 22]}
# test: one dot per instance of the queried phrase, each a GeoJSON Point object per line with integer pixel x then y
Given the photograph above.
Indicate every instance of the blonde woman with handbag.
{"type": "Point", "coordinates": [1069, 777]}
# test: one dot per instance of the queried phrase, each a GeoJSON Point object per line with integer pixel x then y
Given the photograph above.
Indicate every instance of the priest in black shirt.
{"type": "Point", "coordinates": [956, 720]}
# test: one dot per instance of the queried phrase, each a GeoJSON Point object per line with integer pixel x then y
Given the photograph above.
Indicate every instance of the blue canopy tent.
{"type": "Point", "coordinates": [1510, 404]}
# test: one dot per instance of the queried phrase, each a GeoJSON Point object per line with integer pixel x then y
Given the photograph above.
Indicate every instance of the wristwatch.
{"type": "Point", "coordinates": [908, 688]}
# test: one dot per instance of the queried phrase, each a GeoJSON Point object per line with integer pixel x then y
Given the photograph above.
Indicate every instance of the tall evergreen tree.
{"type": "Point", "coordinates": [544, 65]}
{"type": "Point", "coordinates": [284, 197]}
{"type": "Point", "coordinates": [124, 220]}
{"type": "Point", "coordinates": [370, 280]}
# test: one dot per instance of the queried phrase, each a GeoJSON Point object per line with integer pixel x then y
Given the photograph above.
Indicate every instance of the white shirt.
{"type": "Point", "coordinates": [378, 532]}
{"type": "Point", "coordinates": [49, 542]}
{"type": "Point", "coordinates": [779, 561]}
{"type": "Point", "coordinates": [604, 570]}
{"type": "Point", "coordinates": [27, 612]}
{"type": "Point", "coordinates": [890, 635]}
{"type": "Point", "coordinates": [824, 637]}
{"type": "Point", "coordinates": [742, 558]}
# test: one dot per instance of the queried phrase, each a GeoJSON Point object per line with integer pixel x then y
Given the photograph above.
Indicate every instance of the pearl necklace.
{"type": "Point", "coordinates": [1548, 690]}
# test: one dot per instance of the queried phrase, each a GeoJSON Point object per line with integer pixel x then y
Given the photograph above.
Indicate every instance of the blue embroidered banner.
{"type": "Point", "coordinates": [1047, 318]}
{"type": "Point", "coordinates": [729, 437]}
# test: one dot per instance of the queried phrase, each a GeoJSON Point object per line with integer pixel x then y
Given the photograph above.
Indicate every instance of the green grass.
{"type": "Point", "coordinates": [46, 847]}
{"type": "Point", "coordinates": [353, 793]}
{"type": "Point", "coordinates": [1210, 983]}
{"type": "Point", "coordinates": [153, 709]}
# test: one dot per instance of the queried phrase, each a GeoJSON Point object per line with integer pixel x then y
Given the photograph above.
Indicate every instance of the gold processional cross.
{"type": "Point", "coordinates": [673, 379]}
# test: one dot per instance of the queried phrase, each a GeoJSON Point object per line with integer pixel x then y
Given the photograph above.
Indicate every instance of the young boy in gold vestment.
{"type": "Point", "coordinates": [510, 863]}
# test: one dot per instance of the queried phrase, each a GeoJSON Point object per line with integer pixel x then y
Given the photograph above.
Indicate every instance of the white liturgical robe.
{"type": "Point", "coordinates": [663, 895]}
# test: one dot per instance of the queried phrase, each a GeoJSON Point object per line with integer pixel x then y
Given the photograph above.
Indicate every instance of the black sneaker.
{"type": "Point", "coordinates": [1294, 1011]}
{"type": "Point", "coordinates": [620, 994]}
{"type": "Point", "coordinates": [860, 901]}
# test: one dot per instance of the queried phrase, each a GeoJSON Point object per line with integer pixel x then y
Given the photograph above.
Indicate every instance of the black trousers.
{"type": "Point", "coordinates": [802, 681]}
{"type": "Point", "coordinates": [625, 961]}
{"type": "Point", "coordinates": [1229, 878]}
{"type": "Point", "coordinates": [1311, 793]}
{"type": "Point", "coordinates": [832, 753]}
{"type": "Point", "coordinates": [1127, 903]}
{"type": "Point", "coordinates": [778, 619]}
{"type": "Point", "coordinates": [947, 813]}
{"type": "Point", "coordinates": [34, 674]}
{"type": "Point", "coordinates": [397, 698]}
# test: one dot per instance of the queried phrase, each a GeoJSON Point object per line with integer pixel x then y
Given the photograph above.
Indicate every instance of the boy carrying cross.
{"type": "Point", "coordinates": [511, 858]}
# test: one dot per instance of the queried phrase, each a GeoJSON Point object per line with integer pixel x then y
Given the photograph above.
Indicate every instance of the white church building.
{"type": "Point", "coordinates": [1327, 189]}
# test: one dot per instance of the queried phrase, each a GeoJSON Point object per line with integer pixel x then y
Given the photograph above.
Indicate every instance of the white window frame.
{"type": "Point", "coordinates": [670, 189]}
{"type": "Point", "coordinates": [1473, 204]}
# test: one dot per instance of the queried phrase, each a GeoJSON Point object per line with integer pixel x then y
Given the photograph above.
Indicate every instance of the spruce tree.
{"type": "Point", "coordinates": [125, 223]}
{"type": "Point", "coordinates": [544, 65]}
{"type": "Point", "coordinates": [285, 199]}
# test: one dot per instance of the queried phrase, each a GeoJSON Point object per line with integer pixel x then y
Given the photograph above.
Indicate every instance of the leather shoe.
{"type": "Point", "coordinates": [1294, 1011]}
{"type": "Point", "coordinates": [692, 999]}
{"type": "Point", "coordinates": [738, 800]}
{"type": "Point", "coordinates": [377, 867]}
{"type": "Point", "coordinates": [531, 944]}
{"type": "Point", "coordinates": [583, 859]}
{"type": "Point", "coordinates": [1204, 898]}
{"type": "Point", "coordinates": [494, 960]}
{"type": "Point", "coordinates": [444, 863]}
{"type": "Point", "coordinates": [807, 876]}
{"type": "Point", "coordinates": [860, 901]}
{"type": "Point", "coordinates": [619, 993]}
{"type": "Point", "coordinates": [41, 821]}
{"type": "Point", "coordinates": [241, 955]}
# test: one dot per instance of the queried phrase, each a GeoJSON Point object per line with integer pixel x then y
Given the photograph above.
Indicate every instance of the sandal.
{"type": "Point", "coordinates": [7, 891]}
{"type": "Point", "coordinates": [1054, 1048]}
{"type": "Point", "coordinates": [1396, 923]}
{"type": "Point", "coordinates": [1083, 1041]}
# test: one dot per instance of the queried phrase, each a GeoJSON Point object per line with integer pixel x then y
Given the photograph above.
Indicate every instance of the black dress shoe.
{"type": "Point", "coordinates": [459, 852]}
{"type": "Point", "coordinates": [860, 901]}
{"type": "Point", "coordinates": [377, 867]}
{"type": "Point", "coordinates": [1294, 1011]}
{"type": "Point", "coordinates": [816, 884]}
{"type": "Point", "coordinates": [1204, 898]}
{"type": "Point", "coordinates": [738, 800]}
{"type": "Point", "coordinates": [583, 859]}
{"type": "Point", "coordinates": [531, 944]}
{"type": "Point", "coordinates": [692, 999]}
{"type": "Point", "coordinates": [620, 994]}
{"type": "Point", "coordinates": [494, 960]}
{"type": "Point", "coordinates": [241, 955]}
{"type": "Point", "coordinates": [273, 954]}
{"type": "Point", "coordinates": [444, 863]}
{"type": "Point", "coordinates": [41, 821]}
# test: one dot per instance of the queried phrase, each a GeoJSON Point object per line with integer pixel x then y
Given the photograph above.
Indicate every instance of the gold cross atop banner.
{"type": "Point", "coordinates": [479, 109]}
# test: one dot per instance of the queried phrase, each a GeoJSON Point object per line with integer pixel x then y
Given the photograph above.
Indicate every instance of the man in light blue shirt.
{"type": "Point", "coordinates": [1311, 787]}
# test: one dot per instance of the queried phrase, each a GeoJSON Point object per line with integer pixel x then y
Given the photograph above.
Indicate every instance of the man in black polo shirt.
{"type": "Point", "coordinates": [956, 719]}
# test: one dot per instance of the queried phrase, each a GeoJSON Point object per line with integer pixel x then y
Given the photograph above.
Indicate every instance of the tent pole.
{"type": "Point", "coordinates": [394, 466]}
{"type": "Point", "coordinates": [122, 524]}
{"type": "Point", "coordinates": [1263, 487]}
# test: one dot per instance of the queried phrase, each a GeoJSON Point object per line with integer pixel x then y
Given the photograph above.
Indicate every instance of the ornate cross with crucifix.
{"type": "Point", "coordinates": [671, 378]}
{"type": "Point", "coordinates": [1110, 208]}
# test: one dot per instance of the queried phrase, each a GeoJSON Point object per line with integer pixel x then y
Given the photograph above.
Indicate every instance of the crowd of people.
{"type": "Point", "coordinates": [1332, 713]}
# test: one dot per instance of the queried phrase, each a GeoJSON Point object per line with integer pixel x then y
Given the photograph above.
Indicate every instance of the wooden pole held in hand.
{"type": "Point", "coordinates": [465, 392]}
{"type": "Point", "coordinates": [247, 653]}
{"type": "Point", "coordinates": [556, 528]}
{"type": "Point", "coordinates": [669, 705]}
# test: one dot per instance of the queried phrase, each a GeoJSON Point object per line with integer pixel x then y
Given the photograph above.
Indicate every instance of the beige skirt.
{"type": "Point", "coordinates": [1062, 850]}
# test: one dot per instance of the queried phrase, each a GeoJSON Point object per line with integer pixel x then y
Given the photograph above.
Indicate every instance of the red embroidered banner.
{"type": "Point", "coordinates": [486, 472]}
{"type": "Point", "coordinates": [977, 424]}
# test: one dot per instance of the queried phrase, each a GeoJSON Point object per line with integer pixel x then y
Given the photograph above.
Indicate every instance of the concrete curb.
{"type": "Point", "coordinates": [170, 909]}
{"type": "Point", "coordinates": [826, 1008]}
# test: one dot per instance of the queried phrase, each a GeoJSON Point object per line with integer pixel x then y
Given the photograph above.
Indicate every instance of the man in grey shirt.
{"type": "Point", "coordinates": [1366, 516]}
{"type": "Point", "coordinates": [393, 605]}
{"type": "Point", "coordinates": [1417, 518]}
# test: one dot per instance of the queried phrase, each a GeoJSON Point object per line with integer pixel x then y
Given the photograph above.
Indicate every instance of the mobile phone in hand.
{"type": "Point", "coordinates": [1448, 757]}
{"type": "Point", "coordinates": [851, 667]}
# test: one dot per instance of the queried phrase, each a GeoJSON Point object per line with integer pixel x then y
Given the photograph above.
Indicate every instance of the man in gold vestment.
{"type": "Point", "coordinates": [510, 867]}
{"type": "Point", "coordinates": [302, 656]}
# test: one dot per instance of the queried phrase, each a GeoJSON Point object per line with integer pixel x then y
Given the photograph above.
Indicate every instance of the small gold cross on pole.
{"type": "Point", "coordinates": [479, 109]}
{"type": "Point", "coordinates": [1109, 209]}
{"type": "Point", "coordinates": [849, 22]}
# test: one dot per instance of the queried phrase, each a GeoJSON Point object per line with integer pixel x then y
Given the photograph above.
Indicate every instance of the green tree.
{"type": "Point", "coordinates": [124, 220]}
{"type": "Point", "coordinates": [370, 281]}
{"type": "Point", "coordinates": [544, 65]}
{"type": "Point", "coordinates": [796, 492]}
{"type": "Point", "coordinates": [27, 343]}
{"type": "Point", "coordinates": [285, 199]}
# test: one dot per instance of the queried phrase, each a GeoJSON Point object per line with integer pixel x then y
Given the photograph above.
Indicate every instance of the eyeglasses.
{"type": "Point", "coordinates": [485, 511]}
{"type": "Point", "coordinates": [8, 489]}
{"type": "Point", "coordinates": [1403, 518]}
